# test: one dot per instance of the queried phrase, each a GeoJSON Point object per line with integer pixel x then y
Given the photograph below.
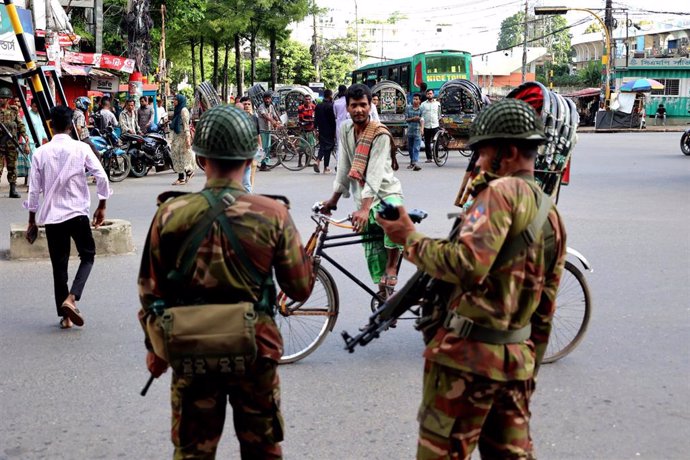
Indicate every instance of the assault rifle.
{"type": "Point", "coordinates": [421, 289]}
{"type": "Point", "coordinates": [6, 135]}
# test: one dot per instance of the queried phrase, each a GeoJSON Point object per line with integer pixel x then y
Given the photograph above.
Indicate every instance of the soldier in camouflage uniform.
{"type": "Point", "coordinates": [481, 364]}
{"type": "Point", "coordinates": [225, 142]}
{"type": "Point", "coordinates": [8, 149]}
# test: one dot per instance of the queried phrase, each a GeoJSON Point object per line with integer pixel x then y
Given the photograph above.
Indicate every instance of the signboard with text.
{"type": "Point", "coordinates": [105, 84]}
{"type": "Point", "coordinates": [9, 47]}
{"type": "Point", "coordinates": [660, 62]}
{"type": "Point", "coordinates": [103, 61]}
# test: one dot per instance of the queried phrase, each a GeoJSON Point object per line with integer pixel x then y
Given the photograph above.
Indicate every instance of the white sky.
{"type": "Point", "coordinates": [482, 18]}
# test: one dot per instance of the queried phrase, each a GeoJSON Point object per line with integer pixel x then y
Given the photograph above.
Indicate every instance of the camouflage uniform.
{"type": "Point", "coordinates": [10, 117]}
{"type": "Point", "coordinates": [476, 391]}
{"type": "Point", "coordinates": [271, 241]}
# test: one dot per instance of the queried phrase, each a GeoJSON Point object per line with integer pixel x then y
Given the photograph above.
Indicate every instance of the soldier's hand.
{"type": "Point", "coordinates": [397, 230]}
{"type": "Point", "coordinates": [157, 366]}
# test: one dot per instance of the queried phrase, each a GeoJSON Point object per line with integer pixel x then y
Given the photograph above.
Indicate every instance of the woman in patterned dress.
{"type": "Point", "coordinates": [182, 157]}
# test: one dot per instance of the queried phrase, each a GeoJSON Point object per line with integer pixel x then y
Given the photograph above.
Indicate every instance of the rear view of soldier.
{"type": "Point", "coordinates": [9, 139]}
{"type": "Point", "coordinates": [210, 253]}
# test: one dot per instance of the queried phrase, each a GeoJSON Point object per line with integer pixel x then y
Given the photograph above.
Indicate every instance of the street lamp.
{"type": "Point", "coordinates": [605, 57]}
{"type": "Point", "coordinates": [357, 32]}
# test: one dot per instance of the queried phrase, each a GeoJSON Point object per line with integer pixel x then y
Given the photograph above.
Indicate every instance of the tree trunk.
{"type": "Point", "coordinates": [274, 61]}
{"type": "Point", "coordinates": [216, 46]}
{"type": "Point", "coordinates": [193, 43]}
{"type": "Point", "coordinates": [252, 52]}
{"type": "Point", "coordinates": [201, 60]}
{"type": "Point", "coordinates": [225, 72]}
{"type": "Point", "coordinates": [238, 65]}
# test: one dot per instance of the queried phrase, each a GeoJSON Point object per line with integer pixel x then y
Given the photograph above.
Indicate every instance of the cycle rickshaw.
{"type": "Point", "coordinates": [391, 110]}
{"type": "Point", "coordinates": [461, 102]}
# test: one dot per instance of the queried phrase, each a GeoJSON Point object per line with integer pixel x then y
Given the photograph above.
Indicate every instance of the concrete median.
{"type": "Point", "coordinates": [113, 237]}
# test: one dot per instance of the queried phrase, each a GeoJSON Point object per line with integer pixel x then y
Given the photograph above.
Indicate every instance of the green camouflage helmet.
{"type": "Point", "coordinates": [6, 93]}
{"type": "Point", "coordinates": [225, 133]}
{"type": "Point", "coordinates": [507, 119]}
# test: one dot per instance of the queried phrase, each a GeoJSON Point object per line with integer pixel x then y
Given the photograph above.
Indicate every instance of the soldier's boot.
{"type": "Point", "coordinates": [13, 191]}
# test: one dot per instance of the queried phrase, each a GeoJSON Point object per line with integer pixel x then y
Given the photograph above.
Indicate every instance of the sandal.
{"type": "Point", "coordinates": [65, 323]}
{"type": "Point", "coordinates": [179, 182]}
{"type": "Point", "coordinates": [190, 174]}
{"type": "Point", "coordinates": [389, 280]}
{"type": "Point", "coordinates": [72, 313]}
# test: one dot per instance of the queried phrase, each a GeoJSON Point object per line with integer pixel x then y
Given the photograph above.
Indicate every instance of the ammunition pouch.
{"type": "Point", "coordinates": [200, 339]}
{"type": "Point", "coordinates": [468, 329]}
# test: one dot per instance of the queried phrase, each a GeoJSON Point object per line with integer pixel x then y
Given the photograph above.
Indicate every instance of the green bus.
{"type": "Point", "coordinates": [433, 67]}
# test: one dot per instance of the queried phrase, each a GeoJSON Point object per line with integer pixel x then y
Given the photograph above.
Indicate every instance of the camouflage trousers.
{"type": "Point", "coordinates": [460, 410]}
{"type": "Point", "coordinates": [11, 156]}
{"type": "Point", "coordinates": [198, 412]}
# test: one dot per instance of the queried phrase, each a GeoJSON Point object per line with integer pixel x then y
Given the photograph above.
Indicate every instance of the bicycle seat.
{"type": "Point", "coordinates": [417, 215]}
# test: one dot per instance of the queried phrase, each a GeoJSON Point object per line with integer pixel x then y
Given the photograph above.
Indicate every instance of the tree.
{"type": "Point", "coordinates": [512, 31]}
{"type": "Point", "coordinates": [591, 75]}
{"type": "Point", "coordinates": [294, 63]}
{"type": "Point", "coordinates": [593, 27]}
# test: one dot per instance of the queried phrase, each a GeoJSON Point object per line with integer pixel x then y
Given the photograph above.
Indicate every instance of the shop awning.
{"type": "Point", "coordinates": [75, 70]}
{"type": "Point", "coordinates": [587, 92]}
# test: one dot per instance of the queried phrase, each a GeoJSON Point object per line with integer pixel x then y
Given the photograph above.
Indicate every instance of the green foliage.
{"type": "Point", "coordinates": [591, 75]}
{"type": "Point", "coordinates": [512, 31]}
{"type": "Point", "coordinates": [189, 94]}
{"type": "Point", "coordinates": [593, 27]}
{"type": "Point", "coordinates": [294, 63]}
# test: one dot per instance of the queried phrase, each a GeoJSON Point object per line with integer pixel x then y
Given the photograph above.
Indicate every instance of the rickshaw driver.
{"type": "Point", "coordinates": [366, 168]}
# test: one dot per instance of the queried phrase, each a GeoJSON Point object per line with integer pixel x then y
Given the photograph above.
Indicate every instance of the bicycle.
{"type": "Point", "coordinates": [305, 325]}
{"type": "Point", "coordinates": [289, 150]}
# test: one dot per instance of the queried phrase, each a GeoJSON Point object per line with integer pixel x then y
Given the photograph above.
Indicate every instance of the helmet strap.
{"type": "Point", "coordinates": [496, 163]}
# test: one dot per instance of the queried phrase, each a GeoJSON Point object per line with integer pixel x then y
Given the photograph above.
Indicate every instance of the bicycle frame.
{"type": "Point", "coordinates": [320, 241]}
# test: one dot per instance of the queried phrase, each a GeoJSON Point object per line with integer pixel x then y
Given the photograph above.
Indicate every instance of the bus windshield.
{"type": "Point", "coordinates": [452, 64]}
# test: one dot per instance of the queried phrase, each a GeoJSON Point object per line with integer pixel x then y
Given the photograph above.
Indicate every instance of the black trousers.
{"type": "Point", "coordinates": [59, 235]}
{"type": "Point", "coordinates": [325, 149]}
{"type": "Point", "coordinates": [429, 134]}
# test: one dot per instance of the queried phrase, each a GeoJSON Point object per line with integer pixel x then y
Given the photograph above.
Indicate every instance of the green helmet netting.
{"type": "Point", "coordinates": [507, 119]}
{"type": "Point", "coordinates": [225, 133]}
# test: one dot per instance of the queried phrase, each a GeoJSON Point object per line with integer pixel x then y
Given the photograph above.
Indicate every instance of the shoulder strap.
{"type": "Point", "coordinates": [512, 247]}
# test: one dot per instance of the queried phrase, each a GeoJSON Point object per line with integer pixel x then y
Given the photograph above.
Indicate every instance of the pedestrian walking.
{"type": "Point", "coordinates": [305, 115]}
{"type": "Point", "coordinates": [243, 239]}
{"type": "Point", "coordinates": [415, 127]}
{"type": "Point", "coordinates": [268, 121]}
{"type": "Point", "coordinates": [181, 145]}
{"type": "Point", "coordinates": [366, 169]}
{"type": "Point", "coordinates": [340, 111]}
{"type": "Point", "coordinates": [8, 143]}
{"type": "Point", "coordinates": [374, 112]}
{"type": "Point", "coordinates": [491, 332]}
{"type": "Point", "coordinates": [24, 160]}
{"type": "Point", "coordinates": [58, 171]}
{"type": "Point", "coordinates": [324, 121]}
{"type": "Point", "coordinates": [145, 115]}
{"type": "Point", "coordinates": [431, 112]}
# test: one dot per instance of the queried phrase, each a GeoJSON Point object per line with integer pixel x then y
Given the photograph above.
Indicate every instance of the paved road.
{"type": "Point", "coordinates": [622, 394]}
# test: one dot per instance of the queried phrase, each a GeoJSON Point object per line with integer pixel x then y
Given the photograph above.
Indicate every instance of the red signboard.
{"type": "Point", "coordinates": [103, 61]}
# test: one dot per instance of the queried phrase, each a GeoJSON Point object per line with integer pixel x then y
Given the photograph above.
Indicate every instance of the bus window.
{"type": "Point", "coordinates": [394, 74]}
{"type": "Point", "coordinates": [452, 64]}
{"type": "Point", "coordinates": [405, 77]}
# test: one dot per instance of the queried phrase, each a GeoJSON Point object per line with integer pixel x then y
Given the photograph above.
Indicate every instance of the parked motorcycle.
{"type": "Point", "coordinates": [114, 159]}
{"type": "Point", "coordinates": [149, 151]}
{"type": "Point", "coordinates": [685, 141]}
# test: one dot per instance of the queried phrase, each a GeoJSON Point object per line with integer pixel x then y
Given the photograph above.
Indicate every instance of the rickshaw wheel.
{"type": "Point", "coordinates": [466, 152]}
{"type": "Point", "coordinates": [440, 151]}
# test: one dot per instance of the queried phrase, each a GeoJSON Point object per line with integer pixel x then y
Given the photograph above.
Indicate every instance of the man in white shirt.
{"type": "Point", "coordinates": [431, 112]}
{"type": "Point", "coordinates": [58, 171]}
{"type": "Point", "coordinates": [107, 117]}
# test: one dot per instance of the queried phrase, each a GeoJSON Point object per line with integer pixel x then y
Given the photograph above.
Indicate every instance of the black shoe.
{"type": "Point", "coordinates": [263, 167]}
{"type": "Point", "coordinates": [13, 191]}
{"type": "Point", "coordinates": [316, 168]}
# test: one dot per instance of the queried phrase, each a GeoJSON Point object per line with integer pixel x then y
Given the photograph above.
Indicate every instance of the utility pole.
{"type": "Point", "coordinates": [524, 45]}
{"type": "Point", "coordinates": [357, 33]}
{"type": "Point", "coordinates": [608, 22]}
{"type": "Point", "coordinates": [98, 20]}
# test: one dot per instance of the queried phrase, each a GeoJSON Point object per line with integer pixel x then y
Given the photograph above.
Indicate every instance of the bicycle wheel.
{"type": "Point", "coordinates": [569, 324]}
{"type": "Point", "coordinates": [440, 150]}
{"type": "Point", "coordinates": [296, 153]}
{"type": "Point", "coordinates": [304, 325]}
{"type": "Point", "coordinates": [274, 153]}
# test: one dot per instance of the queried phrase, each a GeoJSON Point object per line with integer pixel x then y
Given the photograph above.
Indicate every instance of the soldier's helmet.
{"type": "Point", "coordinates": [5, 93]}
{"type": "Point", "coordinates": [82, 103]}
{"type": "Point", "coordinates": [507, 119]}
{"type": "Point", "coordinates": [225, 133]}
